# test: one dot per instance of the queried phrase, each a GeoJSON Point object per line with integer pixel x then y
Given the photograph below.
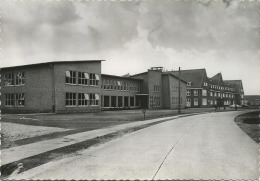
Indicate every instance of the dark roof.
{"type": "Point", "coordinates": [216, 79]}
{"type": "Point", "coordinates": [121, 77]}
{"type": "Point", "coordinates": [237, 84]}
{"type": "Point", "coordinates": [56, 62]}
{"type": "Point", "coordinates": [194, 75]}
{"type": "Point", "coordinates": [177, 77]}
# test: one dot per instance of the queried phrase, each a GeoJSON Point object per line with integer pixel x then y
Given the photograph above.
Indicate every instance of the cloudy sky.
{"type": "Point", "coordinates": [221, 36]}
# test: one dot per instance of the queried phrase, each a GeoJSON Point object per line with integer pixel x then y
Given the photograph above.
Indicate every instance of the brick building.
{"type": "Point", "coordinates": [69, 86]}
{"type": "Point", "coordinates": [159, 89]}
{"type": "Point", "coordinates": [79, 86]}
{"type": "Point", "coordinates": [203, 91]}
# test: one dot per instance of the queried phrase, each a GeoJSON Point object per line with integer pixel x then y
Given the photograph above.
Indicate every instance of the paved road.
{"type": "Point", "coordinates": [208, 146]}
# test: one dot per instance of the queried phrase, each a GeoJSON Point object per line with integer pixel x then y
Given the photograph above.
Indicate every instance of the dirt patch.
{"type": "Point", "coordinates": [249, 123]}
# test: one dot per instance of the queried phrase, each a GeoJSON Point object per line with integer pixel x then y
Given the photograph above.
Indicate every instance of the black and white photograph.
{"type": "Point", "coordinates": [130, 89]}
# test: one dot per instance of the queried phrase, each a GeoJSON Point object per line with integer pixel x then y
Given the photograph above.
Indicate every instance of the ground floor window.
{"type": "Point", "coordinates": [93, 99]}
{"type": "Point", "coordinates": [188, 103]}
{"type": "Point", "coordinates": [19, 100]}
{"type": "Point", "coordinates": [106, 101]}
{"type": "Point", "coordinates": [120, 101]}
{"type": "Point", "coordinates": [113, 101]}
{"type": "Point", "coordinates": [204, 101]}
{"type": "Point", "coordinates": [70, 99]}
{"type": "Point", "coordinates": [9, 99]}
{"type": "Point", "coordinates": [83, 99]}
{"type": "Point", "coordinates": [132, 101]}
{"type": "Point", "coordinates": [211, 102]}
{"type": "Point", "coordinates": [196, 103]}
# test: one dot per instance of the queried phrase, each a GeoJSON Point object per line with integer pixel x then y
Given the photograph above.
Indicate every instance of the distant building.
{"type": "Point", "coordinates": [252, 100]}
{"type": "Point", "coordinates": [203, 91]}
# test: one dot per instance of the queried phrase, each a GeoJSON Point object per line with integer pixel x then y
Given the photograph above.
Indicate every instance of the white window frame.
{"type": "Point", "coordinates": [204, 101]}
{"type": "Point", "coordinates": [196, 92]}
{"type": "Point", "coordinates": [71, 77]}
{"type": "Point", "coordinates": [196, 103]}
{"type": "Point", "coordinates": [204, 92]}
{"type": "Point", "coordinates": [188, 92]}
{"type": "Point", "coordinates": [71, 99]}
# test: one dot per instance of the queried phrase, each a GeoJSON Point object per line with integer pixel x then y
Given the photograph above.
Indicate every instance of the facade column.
{"type": "Point", "coordinates": [123, 101]}
{"type": "Point", "coordinates": [116, 101]}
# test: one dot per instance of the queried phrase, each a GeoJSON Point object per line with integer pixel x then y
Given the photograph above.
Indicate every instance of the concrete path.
{"type": "Point", "coordinates": [20, 152]}
{"type": "Point", "coordinates": [208, 146]}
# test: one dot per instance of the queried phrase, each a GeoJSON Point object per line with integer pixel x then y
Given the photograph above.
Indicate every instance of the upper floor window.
{"type": "Point", "coordinates": [83, 78]}
{"type": "Point", "coordinates": [189, 84]}
{"type": "Point", "coordinates": [70, 77]}
{"type": "Point", "coordinates": [20, 78]}
{"type": "Point", "coordinates": [211, 93]}
{"type": "Point", "coordinates": [94, 79]}
{"type": "Point", "coordinates": [188, 92]}
{"type": "Point", "coordinates": [205, 84]}
{"type": "Point", "coordinates": [9, 79]}
{"type": "Point", "coordinates": [157, 88]}
{"type": "Point", "coordinates": [196, 92]}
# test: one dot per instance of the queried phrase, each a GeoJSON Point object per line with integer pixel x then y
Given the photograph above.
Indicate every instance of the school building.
{"type": "Point", "coordinates": [79, 86]}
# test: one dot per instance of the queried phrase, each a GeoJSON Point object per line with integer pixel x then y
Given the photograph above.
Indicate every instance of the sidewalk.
{"type": "Point", "coordinates": [17, 153]}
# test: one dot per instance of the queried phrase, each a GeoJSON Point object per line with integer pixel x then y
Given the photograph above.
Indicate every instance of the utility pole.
{"type": "Point", "coordinates": [179, 107]}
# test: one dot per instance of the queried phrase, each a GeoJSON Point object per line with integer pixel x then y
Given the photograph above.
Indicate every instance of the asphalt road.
{"type": "Point", "coordinates": [208, 146]}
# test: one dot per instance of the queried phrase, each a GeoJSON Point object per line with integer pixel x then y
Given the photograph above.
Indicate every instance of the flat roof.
{"type": "Point", "coordinates": [42, 63]}
{"type": "Point", "coordinates": [121, 77]}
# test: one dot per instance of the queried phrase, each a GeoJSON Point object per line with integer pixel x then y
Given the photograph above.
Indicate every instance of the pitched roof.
{"type": "Point", "coordinates": [237, 84]}
{"type": "Point", "coordinates": [56, 62]}
{"type": "Point", "coordinates": [216, 79]}
{"type": "Point", "coordinates": [195, 76]}
{"type": "Point", "coordinates": [177, 77]}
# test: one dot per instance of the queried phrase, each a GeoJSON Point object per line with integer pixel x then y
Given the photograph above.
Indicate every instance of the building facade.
{"type": "Point", "coordinates": [79, 86]}
{"type": "Point", "coordinates": [52, 87]}
{"type": "Point", "coordinates": [203, 91]}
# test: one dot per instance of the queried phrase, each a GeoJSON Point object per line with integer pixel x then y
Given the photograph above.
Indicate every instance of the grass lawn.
{"type": "Point", "coordinates": [249, 123]}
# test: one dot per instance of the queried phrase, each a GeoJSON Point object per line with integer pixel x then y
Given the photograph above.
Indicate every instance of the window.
{"type": "Point", "coordinates": [189, 84]}
{"type": "Point", "coordinates": [242, 96]}
{"type": "Point", "coordinates": [195, 92]}
{"type": "Point", "coordinates": [83, 78]}
{"type": "Point", "coordinates": [156, 88]}
{"type": "Point", "coordinates": [211, 102]}
{"type": "Point", "coordinates": [219, 94]}
{"type": "Point", "coordinates": [20, 78]}
{"type": "Point", "coordinates": [19, 100]}
{"type": "Point", "coordinates": [94, 78]}
{"type": "Point", "coordinates": [83, 99]}
{"type": "Point", "coordinates": [215, 94]}
{"type": "Point", "coordinates": [211, 93]}
{"type": "Point", "coordinates": [196, 103]}
{"type": "Point", "coordinates": [205, 84]}
{"type": "Point", "coordinates": [204, 92]}
{"type": "Point", "coordinates": [70, 77]}
{"type": "Point", "coordinates": [9, 79]}
{"type": "Point", "coordinates": [132, 101]}
{"type": "Point", "coordinates": [94, 98]}
{"type": "Point", "coordinates": [188, 92]}
{"type": "Point", "coordinates": [70, 99]}
{"type": "Point", "coordinates": [204, 101]}
{"type": "Point", "coordinates": [9, 99]}
{"type": "Point", "coordinates": [188, 103]}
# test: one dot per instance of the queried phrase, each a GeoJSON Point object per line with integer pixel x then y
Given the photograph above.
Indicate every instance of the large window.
{"type": "Point", "coordinates": [83, 99]}
{"type": "Point", "coordinates": [20, 78]}
{"type": "Point", "coordinates": [9, 99]}
{"type": "Point", "coordinates": [83, 78]}
{"type": "Point", "coordinates": [94, 78]}
{"type": "Point", "coordinates": [19, 100]}
{"type": "Point", "coordinates": [94, 98]}
{"type": "Point", "coordinates": [204, 92]}
{"type": "Point", "coordinates": [9, 79]}
{"type": "Point", "coordinates": [132, 101]}
{"type": "Point", "coordinates": [196, 103]}
{"type": "Point", "coordinates": [211, 93]}
{"type": "Point", "coordinates": [196, 93]}
{"type": "Point", "coordinates": [70, 99]}
{"type": "Point", "coordinates": [70, 77]}
{"type": "Point", "coordinates": [188, 92]}
{"type": "Point", "coordinates": [188, 103]}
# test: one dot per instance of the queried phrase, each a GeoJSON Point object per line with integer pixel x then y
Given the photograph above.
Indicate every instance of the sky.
{"type": "Point", "coordinates": [132, 36]}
